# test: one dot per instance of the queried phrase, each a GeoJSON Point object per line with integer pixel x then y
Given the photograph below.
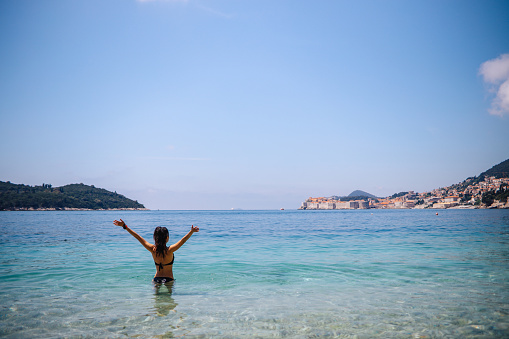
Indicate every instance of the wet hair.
{"type": "Point", "coordinates": [160, 236]}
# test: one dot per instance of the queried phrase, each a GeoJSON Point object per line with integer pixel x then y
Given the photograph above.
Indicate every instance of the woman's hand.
{"type": "Point", "coordinates": [193, 228]}
{"type": "Point", "coordinates": [120, 223]}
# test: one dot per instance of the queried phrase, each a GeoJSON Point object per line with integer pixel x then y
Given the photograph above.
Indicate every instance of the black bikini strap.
{"type": "Point", "coordinates": [161, 264]}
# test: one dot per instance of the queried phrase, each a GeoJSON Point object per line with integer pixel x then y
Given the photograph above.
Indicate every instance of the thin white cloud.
{"type": "Point", "coordinates": [206, 9]}
{"type": "Point", "coordinates": [175, 158]}
{"type": "Point", "coordinates": [162, 0]}
{"type": "Point", "coordinates": [495, 72]}
{"type": "Point", "coordinates": [214, 12]}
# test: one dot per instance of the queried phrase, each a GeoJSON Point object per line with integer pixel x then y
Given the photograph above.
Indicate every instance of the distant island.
{"type": "Point", "coordinates": [19, 197]}
{"type": "Point", "coordinates": [488, 190]}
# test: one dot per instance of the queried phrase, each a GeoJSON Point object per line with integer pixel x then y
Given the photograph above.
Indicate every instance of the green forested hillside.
{"type": "Point", "coordinates": [18, 196]}
{"type": "Point", "coordinates": [499, 171]}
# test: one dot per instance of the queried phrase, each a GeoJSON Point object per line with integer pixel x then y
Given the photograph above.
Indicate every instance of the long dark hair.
{"type": "Point", "coordinates": [160, 236]}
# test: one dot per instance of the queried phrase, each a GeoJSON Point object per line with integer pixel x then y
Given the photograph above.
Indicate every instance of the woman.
{"type": "Point", "coordinates": [163, 255]}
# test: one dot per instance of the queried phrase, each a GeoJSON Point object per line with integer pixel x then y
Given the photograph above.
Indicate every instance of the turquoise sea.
{"type": "Point", "coordinates": [295, 274]}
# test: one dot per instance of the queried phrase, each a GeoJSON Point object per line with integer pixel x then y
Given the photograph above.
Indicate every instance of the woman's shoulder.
{"type": "Point", "coordinates": [158, 255]}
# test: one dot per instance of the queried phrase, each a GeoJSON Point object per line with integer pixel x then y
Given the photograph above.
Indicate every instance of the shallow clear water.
{"type": "Point", "coordinates": [370, 273]}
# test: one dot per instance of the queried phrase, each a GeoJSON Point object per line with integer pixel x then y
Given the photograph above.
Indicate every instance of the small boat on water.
{"type": "Point", "coordinates": [281, 209]}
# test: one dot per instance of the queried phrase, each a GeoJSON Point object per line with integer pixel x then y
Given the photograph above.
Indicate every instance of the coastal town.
{"type": "Point", "coordinates": [472, 193]}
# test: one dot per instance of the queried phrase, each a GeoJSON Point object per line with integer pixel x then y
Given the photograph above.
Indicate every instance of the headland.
{"type": "Point", "coordinates": [73, 197]}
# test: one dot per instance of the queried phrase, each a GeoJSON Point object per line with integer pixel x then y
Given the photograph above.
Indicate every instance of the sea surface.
{"type": "Point", "coordinates": [294, 274]}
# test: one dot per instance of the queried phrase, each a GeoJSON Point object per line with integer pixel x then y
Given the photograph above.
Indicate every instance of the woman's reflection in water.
{"type": "Point", "coordinates": [163, 302]}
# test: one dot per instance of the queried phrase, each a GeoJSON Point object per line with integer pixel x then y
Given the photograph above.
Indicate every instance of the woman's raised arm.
{"type": "Point", "coordinates": [182, 241]}
{"type": "Point", "coordinates": [142, 241]}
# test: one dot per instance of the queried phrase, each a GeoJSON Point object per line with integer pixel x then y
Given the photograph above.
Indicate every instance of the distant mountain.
{"type": "Point", "coordinates": [499, 171]}
{"type": "Point", "coordinates": [359, 193]}
{"type": "Point", "coordinates": [73, 196]}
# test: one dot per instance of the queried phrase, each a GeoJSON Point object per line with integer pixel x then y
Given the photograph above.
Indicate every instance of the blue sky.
{"type": "Point", "coordinates": [252, 104]}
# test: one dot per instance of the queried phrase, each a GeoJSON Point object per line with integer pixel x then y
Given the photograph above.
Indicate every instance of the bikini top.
{"type": "Point", "coordinates": [161, 264]}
